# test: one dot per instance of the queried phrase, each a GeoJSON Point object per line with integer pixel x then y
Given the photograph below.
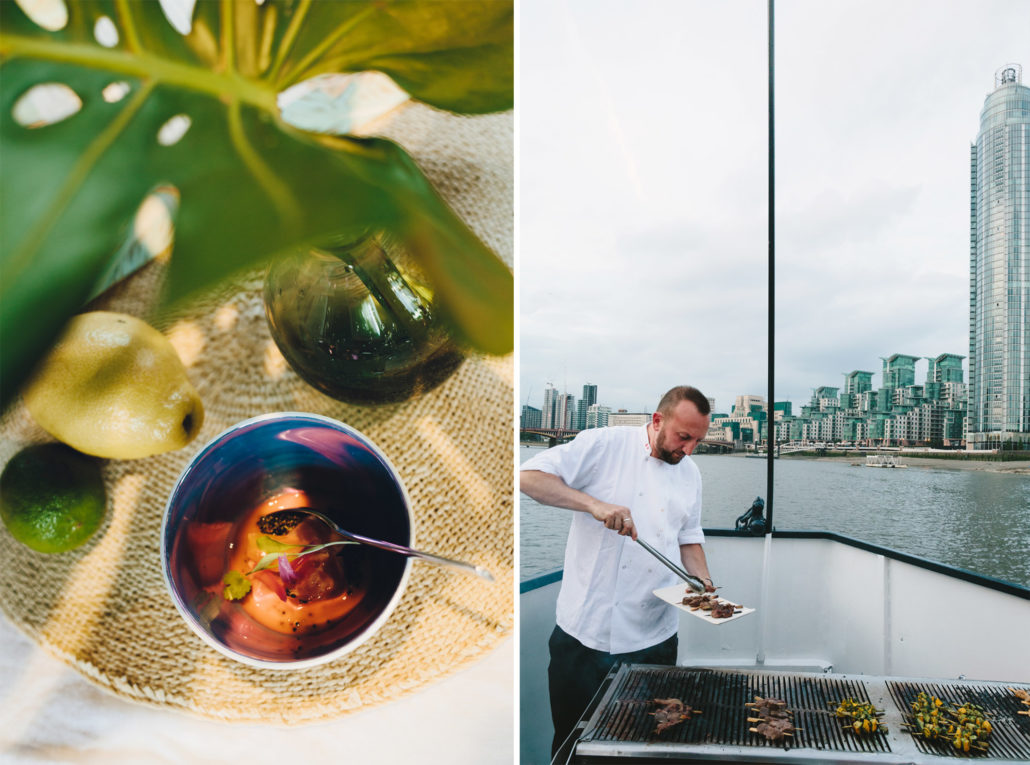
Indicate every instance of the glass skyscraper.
{"type": "Point", "coordinates": [547, 418]}
{"type": "Point", "coordinates": [590, 394]}
{"type": "Point", "coordinates": [999, 268]}
{"type": "Point", "coordinates": [583, 405]}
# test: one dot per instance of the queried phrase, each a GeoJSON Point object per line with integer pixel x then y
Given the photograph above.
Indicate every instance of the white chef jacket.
{"type": "Point", "coordinates": [606, 599]}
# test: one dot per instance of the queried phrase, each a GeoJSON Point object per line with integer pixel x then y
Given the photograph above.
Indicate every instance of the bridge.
{"type": "Point", "coordinates": [555, 436]}
{"type": "Point", "coordinates": [716, 445]}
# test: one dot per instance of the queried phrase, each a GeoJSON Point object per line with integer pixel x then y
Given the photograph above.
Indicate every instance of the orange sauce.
{"type": "Point", "coordinates": [262, 603]}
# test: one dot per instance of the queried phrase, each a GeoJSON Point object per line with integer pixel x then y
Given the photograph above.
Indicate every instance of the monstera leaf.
{"type": "Point", "coordinates": [153, 108]}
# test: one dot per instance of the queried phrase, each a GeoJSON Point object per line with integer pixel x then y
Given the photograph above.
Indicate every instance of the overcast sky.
{"type": "Point", "coordinates": [642, 189]}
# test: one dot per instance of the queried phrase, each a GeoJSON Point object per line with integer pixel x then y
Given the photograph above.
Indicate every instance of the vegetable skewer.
{"type": "Point", "coordinates": [964, 726]}
{"type": "Point", "coordinates": [862, 717]}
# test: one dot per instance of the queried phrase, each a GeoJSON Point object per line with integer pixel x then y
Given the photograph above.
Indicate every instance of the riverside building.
{"type": "Point", "coordinates": [550, 402]}
{"type": "Point", "coordinates": [900, 413]}
{"type": "Point", "coordinates": [746, 422]}
{"type": "Point", "coordinates": [597, 416]}
{"type": "Point", "coordinates": [558, 408]}
{"type": "Point", "coordinates": [531, 417]}
{"type": "Point", "coordinates": [999, 269]}
{"type": "Point", "coordinates": [624, 418]}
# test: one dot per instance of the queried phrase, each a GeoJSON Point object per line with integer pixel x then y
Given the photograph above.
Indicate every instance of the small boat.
{"type": "Point", "coordinates": [884, 461]}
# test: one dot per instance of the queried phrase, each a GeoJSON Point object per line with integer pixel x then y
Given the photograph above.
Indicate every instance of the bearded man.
{"type": "Point", "coordinates": [621, 481]}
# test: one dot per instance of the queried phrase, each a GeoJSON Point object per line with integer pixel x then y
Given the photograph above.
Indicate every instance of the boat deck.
{"type": "Point", "coordinates": [826, 607]}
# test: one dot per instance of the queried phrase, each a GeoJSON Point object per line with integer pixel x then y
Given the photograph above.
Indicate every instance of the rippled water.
{"type": "Point", "coordinates": [971, 519]}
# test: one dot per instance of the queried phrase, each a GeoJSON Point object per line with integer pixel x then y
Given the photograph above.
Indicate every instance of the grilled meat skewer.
{"type": "Point", "coordinates": [774, 729]}
{"type": "Point", "coordinates": [671, 712]}
{"type": "Point", "coordinates": [773, 718]}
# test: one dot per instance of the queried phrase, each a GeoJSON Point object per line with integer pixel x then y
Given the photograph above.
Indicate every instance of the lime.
{"type": "Point", "coordinates": [51, 497]}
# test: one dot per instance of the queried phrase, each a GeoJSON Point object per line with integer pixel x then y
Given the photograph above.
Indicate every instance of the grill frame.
{"type": "Point", "coordinates": [620, 728]}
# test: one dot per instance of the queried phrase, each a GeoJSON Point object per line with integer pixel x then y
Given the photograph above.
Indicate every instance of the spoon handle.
{"type": "Point", "coordinates": [468, 568]}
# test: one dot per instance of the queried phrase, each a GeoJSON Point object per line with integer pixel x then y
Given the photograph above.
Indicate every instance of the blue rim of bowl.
{"type": "Point", "coordinates": [369, 631]}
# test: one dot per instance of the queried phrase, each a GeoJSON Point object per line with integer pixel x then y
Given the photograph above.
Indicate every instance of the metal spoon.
{"type": "Point", "coordinates": [282, 521]}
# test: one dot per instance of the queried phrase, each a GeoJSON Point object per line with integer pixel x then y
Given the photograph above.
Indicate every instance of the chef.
{"type": "Point", "coordinates": [620, 482]}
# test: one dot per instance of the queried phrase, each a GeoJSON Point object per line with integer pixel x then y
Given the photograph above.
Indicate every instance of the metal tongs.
{"type": "Point", "coordinates": [694, 582]}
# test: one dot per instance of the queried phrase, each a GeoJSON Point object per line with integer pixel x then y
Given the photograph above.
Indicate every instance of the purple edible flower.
{"type": "Point", "coordinates": [286, 572]}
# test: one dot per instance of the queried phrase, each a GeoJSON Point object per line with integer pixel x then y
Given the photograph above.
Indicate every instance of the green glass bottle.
{"type": "Point", "coordinates": [358, 323]}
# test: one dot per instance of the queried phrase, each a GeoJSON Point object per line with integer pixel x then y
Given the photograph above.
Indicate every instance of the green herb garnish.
{"type": "Point", "coordinates": [236, 585]}
{"type": "Point", "coordinates": [272, 557]}
{"type": "Point", "coordinates": [269, 545]}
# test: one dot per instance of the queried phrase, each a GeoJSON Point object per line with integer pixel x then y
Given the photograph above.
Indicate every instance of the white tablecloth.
{"type": "Point", "coordinates": [51, 714]}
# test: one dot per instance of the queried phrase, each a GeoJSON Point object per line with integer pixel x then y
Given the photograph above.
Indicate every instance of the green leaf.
{"type": "Point", "coordinates": [316, 548]}
{"type": "Point", "coordinates": [269, 545]}
{"type": "Point", "coordinates": [251, 187]}
{"type": "Point", "coordinates": [267, 560]}
{"type": "Point", "coordinates": [236, 586]}
{"type": "Point", "coordinates": [454, 55]}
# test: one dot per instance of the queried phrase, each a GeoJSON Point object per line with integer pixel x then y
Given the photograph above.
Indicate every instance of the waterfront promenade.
{"type": "Point", "coordinates": [1018, 467]}
{"type": "Point", "coordinates": [1014, 467]}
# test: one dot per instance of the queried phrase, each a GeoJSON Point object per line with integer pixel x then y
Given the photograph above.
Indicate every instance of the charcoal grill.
{"type": "Point", "coordinates": [620, 728]}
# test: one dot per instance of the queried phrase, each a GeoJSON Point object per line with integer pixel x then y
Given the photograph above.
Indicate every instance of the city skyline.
{"type": "Point", "coordinates": [923, 366]}
{"type": "Point", "coordinates": [902, 410]}
{"type": "Point", "coordinates": [648, 269]}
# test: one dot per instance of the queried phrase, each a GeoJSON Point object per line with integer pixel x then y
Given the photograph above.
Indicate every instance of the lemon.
{"type": "Point", "coordinates": [51, 497]}
{"type": "Point", "coordinates": [114, 387]}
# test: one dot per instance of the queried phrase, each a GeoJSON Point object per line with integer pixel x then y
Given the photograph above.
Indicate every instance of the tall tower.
{"type": "Point", "coordinates": [589, 399]}
{"type": "Point", "coordinates": [547, 419]}
{"type": "Point", "coordinates": [999, 268]}
{"type": "Point", "coordinates": [564, 410]}
{"type": "Point", "coordinates": [590, 394]}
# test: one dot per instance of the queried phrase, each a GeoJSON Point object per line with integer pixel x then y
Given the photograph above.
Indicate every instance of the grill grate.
{"type": "Point", "coordinates": [721, 696]}
{"type": "Point", "coordinates": [1010, 737]}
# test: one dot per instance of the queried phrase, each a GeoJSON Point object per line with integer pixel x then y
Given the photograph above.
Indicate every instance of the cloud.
{"type": "Point", "coordinates": [642, 216]}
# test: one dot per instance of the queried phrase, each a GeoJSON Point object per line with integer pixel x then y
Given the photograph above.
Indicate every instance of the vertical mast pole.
{"type": "Point", "coordinates": [771, 340]}
{"type": "Point", "coordinates": [763, 598]}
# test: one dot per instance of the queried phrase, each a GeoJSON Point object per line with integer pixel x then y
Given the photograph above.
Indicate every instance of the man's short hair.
{"type": "Point", "coordinates": [684, 393]}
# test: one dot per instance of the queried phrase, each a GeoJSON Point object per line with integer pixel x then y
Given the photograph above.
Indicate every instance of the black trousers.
{"type": "Point", "coordinates": [575, 672]}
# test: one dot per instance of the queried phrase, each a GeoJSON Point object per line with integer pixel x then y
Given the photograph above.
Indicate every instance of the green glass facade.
{"type": "Point", "coordinates": [999, 268]}
{"type": "Point", "coordinates": [902, 413]}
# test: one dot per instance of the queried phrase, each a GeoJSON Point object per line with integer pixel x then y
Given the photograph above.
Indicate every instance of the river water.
{"type": "Point", "coordinates": [976, 520]}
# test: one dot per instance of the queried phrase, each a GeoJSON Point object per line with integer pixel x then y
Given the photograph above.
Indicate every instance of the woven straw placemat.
{"type": "Point", "coordinates": [104, 609]}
